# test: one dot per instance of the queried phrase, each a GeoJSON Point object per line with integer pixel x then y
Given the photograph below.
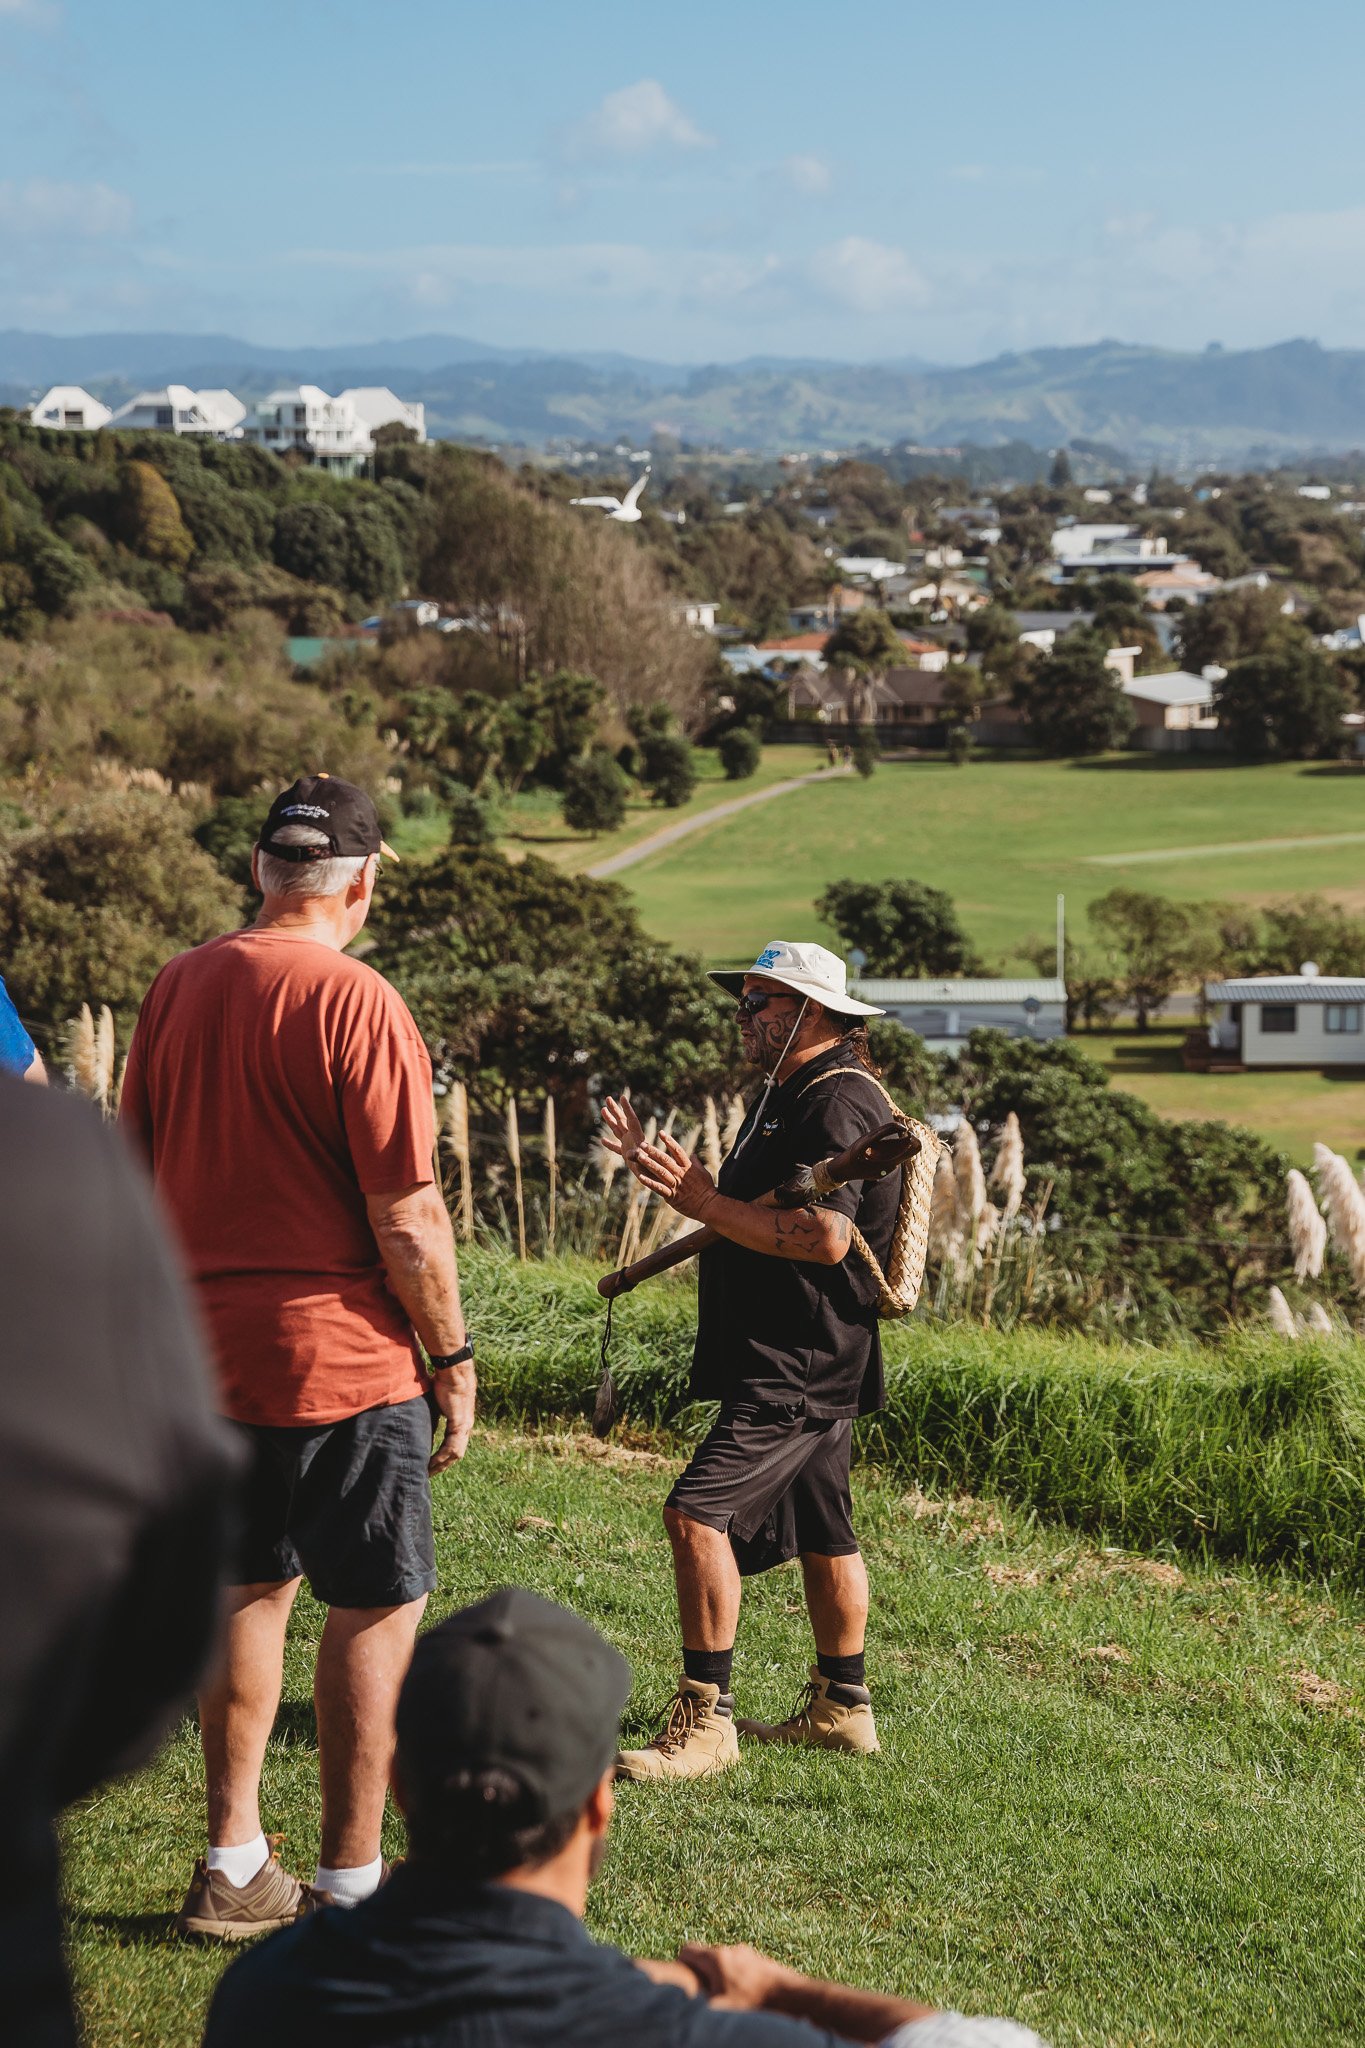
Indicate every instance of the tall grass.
{"type": "Point", "coordinates": [1248, 1448]}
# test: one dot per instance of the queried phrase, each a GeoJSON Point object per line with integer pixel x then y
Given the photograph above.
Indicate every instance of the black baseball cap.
{"type": "Point", "coordinates": [339, 809]}
{"type": "Point", "coordinates": [516, 1684]}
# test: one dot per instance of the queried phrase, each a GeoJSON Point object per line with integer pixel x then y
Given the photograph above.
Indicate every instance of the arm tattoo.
{"type": "Point", "coordinates": [804, 1233]}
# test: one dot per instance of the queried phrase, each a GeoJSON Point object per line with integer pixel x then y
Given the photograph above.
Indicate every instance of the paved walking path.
{"type": "Point", "coordinates": [1160, 853]}
{"type": "Point", "coordinates": [670, 834]}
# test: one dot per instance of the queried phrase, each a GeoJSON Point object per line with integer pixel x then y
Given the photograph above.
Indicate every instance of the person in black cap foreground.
{"type": "Point", "coordinates": [507, 1731]}
{"type": "Point", "coordinates": [787, 1342]}
{"type": "Point", "coordinates": [281, 1094]}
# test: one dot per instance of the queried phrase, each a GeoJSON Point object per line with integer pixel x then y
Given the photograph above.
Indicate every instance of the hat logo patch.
{"type": "Point", "coordinates": [304, 811]}
{"type": "Point", "coordinates": [769, 957]}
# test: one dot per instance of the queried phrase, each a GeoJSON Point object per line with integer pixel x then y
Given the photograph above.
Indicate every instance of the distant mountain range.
{"type": "Point", "coordinates": [1222, 405]}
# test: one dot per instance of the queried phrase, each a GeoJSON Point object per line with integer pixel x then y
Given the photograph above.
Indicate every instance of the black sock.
{"type": "Point", "coordinates": [843, 1670]}
{"type": "Point", "coordinates": [709, 1667]}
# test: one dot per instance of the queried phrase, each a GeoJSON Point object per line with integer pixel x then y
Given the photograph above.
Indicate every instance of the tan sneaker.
{"type": "Point", "coordinates": [694, 1741]}
{"type": "Point", "coordinates": [215, 1910]}
{"type": "Point", "coordinates": [844, 1722]}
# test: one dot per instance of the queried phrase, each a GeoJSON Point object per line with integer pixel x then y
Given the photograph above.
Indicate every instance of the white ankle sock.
{"type": "Point", "coordinates": [241, 1861]}
{"type": "Point", "coordinates": [349, 1887]}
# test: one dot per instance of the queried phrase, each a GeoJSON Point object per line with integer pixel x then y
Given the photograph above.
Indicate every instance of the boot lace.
{"type": "Point", "coordinates": [681, 1722]}
{"type": "Point", "coordinates": [799, 1717]}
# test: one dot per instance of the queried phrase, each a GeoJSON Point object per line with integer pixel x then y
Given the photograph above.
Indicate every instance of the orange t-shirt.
{"type": "Point", "coordinates": [273, 1083]}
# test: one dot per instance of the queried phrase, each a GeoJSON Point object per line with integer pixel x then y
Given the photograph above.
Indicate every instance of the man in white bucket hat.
{"type": "Point", "coordinates": [787, 1341]}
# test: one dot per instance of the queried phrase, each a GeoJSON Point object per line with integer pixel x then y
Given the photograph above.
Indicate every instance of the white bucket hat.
{"type": "Point", "coordinates": [807, 970]}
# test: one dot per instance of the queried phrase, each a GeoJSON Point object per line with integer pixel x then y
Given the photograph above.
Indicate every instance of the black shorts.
{"type": "Point", "coordinates": [347, 1503]}
{"type": "Point", "coordinates": [776, 1481]}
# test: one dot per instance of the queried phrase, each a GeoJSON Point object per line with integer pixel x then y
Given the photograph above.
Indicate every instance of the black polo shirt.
{"type": "Point", "coordinates": [784, 1330]}
{"type": "Point", "coordinates": [425, 1963]}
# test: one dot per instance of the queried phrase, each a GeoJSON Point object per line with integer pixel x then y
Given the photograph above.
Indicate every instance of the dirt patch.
{"type": "Point", "coordinates": [533, 1525]}
{"type": "Point", "coordinates": [616, 1456]}
{"type": "Point", "coordinates": [1319, 1695]}
{"type": "Point", "coordinates": [1105, 1653]}
{"type": "Point", "coordinates": [1011, 1575]}
{"type": "Point", "coordinates": [962, 1517]}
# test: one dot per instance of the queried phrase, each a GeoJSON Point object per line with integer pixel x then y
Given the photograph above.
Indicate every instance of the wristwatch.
{"type": "Point", "coordinates": [449, 1358]}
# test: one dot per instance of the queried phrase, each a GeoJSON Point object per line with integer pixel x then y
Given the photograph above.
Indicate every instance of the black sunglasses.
{"type": "Point", "coordinates": [749, 1006]}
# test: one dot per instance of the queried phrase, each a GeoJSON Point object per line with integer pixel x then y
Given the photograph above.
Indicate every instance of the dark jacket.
{"type": "Point", "coordinates": [428, 1963]}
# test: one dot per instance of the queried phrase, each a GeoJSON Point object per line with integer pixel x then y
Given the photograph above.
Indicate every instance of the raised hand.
{"type": "Point", "coordinates": [666, 1169]}
{"type": "Point", "coordinates": [622, 1131]}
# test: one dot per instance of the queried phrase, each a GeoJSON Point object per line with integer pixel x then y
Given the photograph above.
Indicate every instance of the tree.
{"type": "Point", "coordinates": [958, 745]}
{"type": "Point", "coordinates": [589, 996]}
{"type": "Point", "coordinates": [473, 819]}
{"type": "Point", "coordinates": [1286, 703]}
{"type": "Point", "coordinates": [595, 791]}
{"type": "Point", "coordinates": [1307, 928]}
{"type": "Point", "coordinates": [1092, 992]}
{"type": "Point", "coordinates": [862, 647]}
{"type": "Point", "coordinates": [312, 541]}
{"type": "Point", "coordinates": [1229, 626]}
{"type": "Point", "coordinates": [668, 769]}
{"type": "Point", "coordinates": [149, 520]}
{"type": "Point", "coordinates": [740, 753]}
{"type": "Point", "coordinates": [374, 553]}
{"type": "Point", "coordinates": [903, 928]}
{"type": "Point", "coordinates": [1146, 937]}
{"type": "Point", "coordinates": [1072, 703]}
{"type": "Point", "coordinates": [96, 898]}
{"type": "Point", "coordinates": [1059, 476]}
{"type": "Point", "coordinates": [866, 751]}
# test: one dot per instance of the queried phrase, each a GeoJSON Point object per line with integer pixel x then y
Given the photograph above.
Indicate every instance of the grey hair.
{"type": "Point", "coordinates": [305, 878]}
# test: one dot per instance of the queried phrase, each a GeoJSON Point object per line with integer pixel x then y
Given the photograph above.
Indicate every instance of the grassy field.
{"type": "Point", "coordinates": [1117, 1799]}
{"type": "Point", "coordinates": [1291, 1108]}
{"type": "Point", "coordinates": [1004, 837]}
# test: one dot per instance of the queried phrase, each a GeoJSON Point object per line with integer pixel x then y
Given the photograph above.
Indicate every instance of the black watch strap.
{"type": "Point", "coordinates": [460, 1357]}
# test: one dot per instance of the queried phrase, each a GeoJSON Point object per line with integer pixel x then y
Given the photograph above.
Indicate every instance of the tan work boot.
{"type": "Point", "coordinates": [694, 1741]}
{"type": "Point", "coordinates": [215, 1910]}
{"type": "Point", "coordinates": [829, 1716]}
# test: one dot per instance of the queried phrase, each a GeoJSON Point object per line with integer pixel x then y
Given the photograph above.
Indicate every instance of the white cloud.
{"type": "Point", "coordinates": [808, 174]}
{"type": "Point", "coordinates": [634, 121]}
{"type": "Point", "coordinates": [43, 206]}
{"type": "Point", "coordinates": [868, 276]}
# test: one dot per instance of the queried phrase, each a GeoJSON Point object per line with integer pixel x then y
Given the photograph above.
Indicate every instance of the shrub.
{"type": "Point", "coordinates": [473, 819]}
{"type": "Point", "coordinates": [668, 768]}
{"type": "Point", "coordinates": [740, 753]}
{"type": "Point", "coordinates": [866, 751]}
{"type": "Point", "coordinates": [594, 794]}
{"type": "Point", "coordinates": [149, 520]}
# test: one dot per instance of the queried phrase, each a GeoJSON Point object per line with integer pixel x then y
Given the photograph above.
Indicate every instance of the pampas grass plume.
{"type": "Point", "coordinates": [1282, 1320]}
{"type": "Point", "coordinates": [1307, 1226]}
{"type": "Point", "coordinates": [1007, 1173]}
{"type": "Point", "coordinates": [971, 1181]}
{"type": "Point", "coordinates": [710, 1138]}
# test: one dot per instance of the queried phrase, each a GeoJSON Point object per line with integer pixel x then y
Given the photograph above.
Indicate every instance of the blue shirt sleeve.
{"type": "Point", "coordinates": [16, 1047]}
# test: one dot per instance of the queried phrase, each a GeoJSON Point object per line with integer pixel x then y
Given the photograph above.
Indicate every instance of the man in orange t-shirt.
{"type": "Point", "coordinates": [282, 1094]}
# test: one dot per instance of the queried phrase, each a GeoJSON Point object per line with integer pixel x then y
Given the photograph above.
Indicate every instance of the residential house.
{"type": "Point", "coordinates": [376, 406]}
{"type": "Point", "coordinates": [1074, 539]}
{"type": "Point", "coordinates": [1185, 580]}
{"type": "Point", "coordinates": [944, 1013]}
{"type": "Point", "coordinates": [1044, 629]}
{"type": "Point", "coordinates": [697, 612]}
{"type": "Point", "coordinates": [69, 407]}
{"type": "Point", "coordinates": [1171, 709]}
{"type": "Point", "coordinates": [329, 431]}
{"type": "Point", "coordinates": [175, 409]}
{"type": "Point", "coordinates": [1321, 492]}
{"type": "Point", "coordinates": [1288, 1020]}
{"type": "Point", "coordinates": [869, 568]}
{"type": "Point", "coordinates": [841, 599]}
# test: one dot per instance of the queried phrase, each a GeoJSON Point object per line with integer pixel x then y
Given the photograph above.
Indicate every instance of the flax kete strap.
{"type": "Point", "coordinates": [899, 1286]}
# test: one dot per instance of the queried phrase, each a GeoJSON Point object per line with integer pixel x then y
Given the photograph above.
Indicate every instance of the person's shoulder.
{"type": "Point", "coordinates": [250, 2002]}
{"type": "Point", "coordinates": [849, 1085]}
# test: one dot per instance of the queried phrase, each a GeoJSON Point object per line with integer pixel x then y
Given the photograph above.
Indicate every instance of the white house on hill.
{"type": "Point", "coordinates": [175, 409]}
{"type": "Point", "coordinates": [1288, 1020]}
{"type": "Point", "coordinates": [69, 407]}
{"type": "Point", "coordinates": [376, 406]}
{"type": "Point", "coordinates": [301, 416]}
{"type": "Point", "coordinates": [1170, 709]}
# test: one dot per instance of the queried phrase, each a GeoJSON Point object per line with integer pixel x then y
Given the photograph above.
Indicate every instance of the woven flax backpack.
{"type": "Point", "coordinates": [898, 1287]}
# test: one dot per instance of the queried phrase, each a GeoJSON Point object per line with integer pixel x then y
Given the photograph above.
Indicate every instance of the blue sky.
{"type": "Point", "coordinates": [694, 183]}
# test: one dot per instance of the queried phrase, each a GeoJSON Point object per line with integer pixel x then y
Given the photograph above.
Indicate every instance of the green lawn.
{"type": "Point", "coordinates": [1291, 1108]}
{"type": "Point", "coordinates": [1116, 1799]}
{"type": "Point", "coordinates": [534, 824]}
{"type": "Point", "coordinates": [1004, 837]}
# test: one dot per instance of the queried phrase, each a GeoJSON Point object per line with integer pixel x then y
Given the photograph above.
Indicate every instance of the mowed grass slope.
{"type": "Point", "coordinates": [1004, 837]}
{"type": "Point", "coordinates": [1118, 1800]}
